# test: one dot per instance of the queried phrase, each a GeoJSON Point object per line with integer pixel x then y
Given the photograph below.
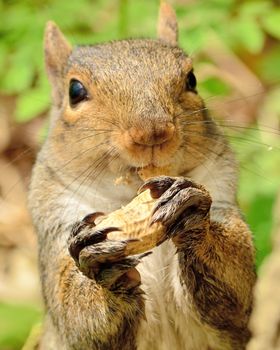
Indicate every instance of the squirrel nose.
{"type": "Point", "coordinates": [154, 136]}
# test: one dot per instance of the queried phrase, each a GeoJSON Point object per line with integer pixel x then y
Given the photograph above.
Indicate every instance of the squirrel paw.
{"type": "Point", "coordinates": [183, 205]}
{"type": "Point", "coordinates": [103, 259]}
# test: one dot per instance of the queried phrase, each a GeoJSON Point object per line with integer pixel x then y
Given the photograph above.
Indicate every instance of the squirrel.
{"type": "Point", "coordinates": [119, 107]}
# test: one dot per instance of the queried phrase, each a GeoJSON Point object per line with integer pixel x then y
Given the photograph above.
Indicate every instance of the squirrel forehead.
{"type": "Point", "coordinates": [131, 58]}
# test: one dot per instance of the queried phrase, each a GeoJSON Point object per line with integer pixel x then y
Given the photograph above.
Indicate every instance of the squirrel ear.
{"type": "Point", "coordinates": [167, 24]}
{"type": "Point", "coordinates": [57, 50]}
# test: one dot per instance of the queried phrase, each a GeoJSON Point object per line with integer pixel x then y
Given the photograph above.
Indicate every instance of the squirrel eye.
{"type": "Point", "coordinates": [77, 92]}
{"type": "Point", "coordinates": [191, 81]}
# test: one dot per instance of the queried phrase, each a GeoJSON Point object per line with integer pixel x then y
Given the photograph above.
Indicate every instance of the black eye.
{"type": "Point", "coordinates": [191, 81]}
{"type": "Point", "coordinates": [77, 92]}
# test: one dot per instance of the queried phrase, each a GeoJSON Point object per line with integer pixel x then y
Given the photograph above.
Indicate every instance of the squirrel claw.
{"type": "Point", "coordinates": [178, 185]}
{"type": "Point", "coordinates": [122, 273]}
{"type": "Point", "coordinates": [183, 206]}
{"type": "Point", "coordinates": [83, 235]}
{"type": "Point", "coordinates": [157, 185]}
{"type": "Point", "coordinates": [90, 218]}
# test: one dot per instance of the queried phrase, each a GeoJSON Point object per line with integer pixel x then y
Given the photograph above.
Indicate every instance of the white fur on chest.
{"type": "Point", "coordinates": [169, 322]}
{"type": "Point", "coordinates": [104, 196]}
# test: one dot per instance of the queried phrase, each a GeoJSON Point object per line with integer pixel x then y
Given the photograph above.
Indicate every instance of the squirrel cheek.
{"type": "Point", "coordinates": [71, 116]}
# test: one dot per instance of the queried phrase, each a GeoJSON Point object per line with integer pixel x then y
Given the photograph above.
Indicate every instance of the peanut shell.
{"type": "Point", "coordinates": [134, 222]}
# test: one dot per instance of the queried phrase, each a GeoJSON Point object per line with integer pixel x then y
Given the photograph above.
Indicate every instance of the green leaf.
{"type": "Point", "coordinates": [259, 217]}
{"type": "Point", "coordinates": [249, 34]}
{"type": "Point", "coordinates": [3, 51]}
{"type": "Point", "coordinates": [193, 39]}
{"type": "Point", "coordinates": [268, 67]}
{"type": "Point", "coordinates": [215, 86]}
{"type": "Point", "coordinates": [32, 103]}
{"type": "Point", "coordinates": [16, 79]}
{"type": "Point", "coordinates": [271, 23]}
{"type": "Point", "coordinates": [254, 8]}
{"type": "Point", "coordinates": [139, 23]}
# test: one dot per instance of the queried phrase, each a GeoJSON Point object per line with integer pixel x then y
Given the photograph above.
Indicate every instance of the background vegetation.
{"type": "Point", "coordinates": [235, 47]}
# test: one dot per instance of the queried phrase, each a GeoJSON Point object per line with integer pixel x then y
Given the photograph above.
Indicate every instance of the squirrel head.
{"type": "Point", "coordinates": [134, 102]}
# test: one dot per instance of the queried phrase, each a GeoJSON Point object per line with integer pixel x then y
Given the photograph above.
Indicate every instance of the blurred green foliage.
{"type": "Point", "coordinates": [86, 21]}
{"type": "Point", "coordinates": [258, 187]}
{"type": "Point", "coordinates": [248, 28]}
{"type": "Point", "coordinates": [15, 323]}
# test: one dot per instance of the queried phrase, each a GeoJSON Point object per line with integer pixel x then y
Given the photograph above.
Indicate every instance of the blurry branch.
{"type": "Point", "coordinates": [246, 86]}
{"type": "Point", "coordinates": [32, 342]}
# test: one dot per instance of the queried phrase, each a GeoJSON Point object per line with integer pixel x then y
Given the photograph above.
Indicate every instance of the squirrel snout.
{"type": "Point", "coordinates": [156, 135]}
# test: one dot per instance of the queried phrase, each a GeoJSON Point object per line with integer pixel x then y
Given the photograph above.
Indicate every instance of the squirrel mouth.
{"type": "Point", "coordinates": [144, 154]}
{"type": "Point", "coordinates": [150, 157]}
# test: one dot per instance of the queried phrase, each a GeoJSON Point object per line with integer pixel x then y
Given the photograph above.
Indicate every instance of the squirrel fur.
{"type": "Point", "coordinates": [137, 107]}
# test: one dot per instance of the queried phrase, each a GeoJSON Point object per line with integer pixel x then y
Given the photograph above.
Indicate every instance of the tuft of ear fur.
{"type": "Point", "coordinates": [57, 51]}
{"type": "Point", "coordinates": [167, 24]}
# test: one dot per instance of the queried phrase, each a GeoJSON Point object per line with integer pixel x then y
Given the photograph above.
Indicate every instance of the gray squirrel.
{"type": "Point", "coordinates": [119, 107]}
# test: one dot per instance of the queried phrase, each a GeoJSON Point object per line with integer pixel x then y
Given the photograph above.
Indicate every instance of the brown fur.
{"type": "Point", "coordinates": [138, 113]}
